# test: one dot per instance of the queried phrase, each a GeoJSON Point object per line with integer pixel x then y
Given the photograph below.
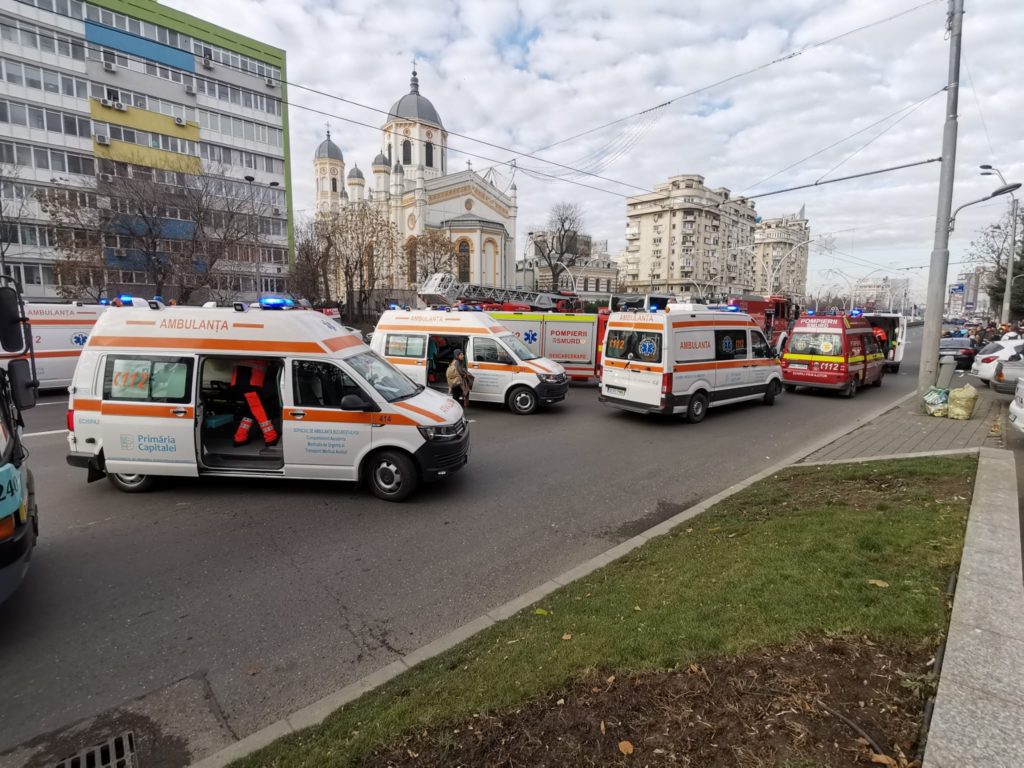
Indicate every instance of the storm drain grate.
{"type": "Point", "coordinates": [116, 752]}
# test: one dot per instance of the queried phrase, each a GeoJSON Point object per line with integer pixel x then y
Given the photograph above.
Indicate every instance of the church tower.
{"type": "Point", "coordinates": [329, 169]}
{"type": "Point", "coordinates": [414, 135]}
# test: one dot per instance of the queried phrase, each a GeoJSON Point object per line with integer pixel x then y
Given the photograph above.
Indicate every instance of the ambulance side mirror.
{"type": "Point", "coordinates": [23, 387]}
{"type": "Point", "coordinates": [354, 403]}
{"type": "Point", "coordinates": [12, 331]}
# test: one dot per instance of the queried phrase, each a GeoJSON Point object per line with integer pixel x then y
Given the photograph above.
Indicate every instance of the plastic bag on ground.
{"type": "Point", "coordinates": [962, 401]}
{"type": "Point", "coordinates": [935, 401]}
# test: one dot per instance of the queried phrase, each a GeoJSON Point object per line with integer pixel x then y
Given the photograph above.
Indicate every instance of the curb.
{"type": "Point", "coordinates": [892, 456]}
{"type": "Point", "coordinates": [317, 712]}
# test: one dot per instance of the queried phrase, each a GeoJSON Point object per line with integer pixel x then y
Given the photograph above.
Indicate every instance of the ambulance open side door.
{"type": "Point", "coordinates": [147, 421]}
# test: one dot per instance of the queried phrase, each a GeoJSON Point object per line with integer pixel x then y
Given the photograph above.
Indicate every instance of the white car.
{"type": "Point", "coordinates": [1017, 407]}
{"type": "Point", "coordinates": [985, 362]}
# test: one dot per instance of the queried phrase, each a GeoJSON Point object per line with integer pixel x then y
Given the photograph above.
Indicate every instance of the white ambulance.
{"type": "Point", "coordinates": [59, 333]}
{"type": "Point", "coordinates": [165, 391]}
{"type": "Point", "coordinates": [423, 343]}
{"type": "Point", "coordinates": [686, 360]}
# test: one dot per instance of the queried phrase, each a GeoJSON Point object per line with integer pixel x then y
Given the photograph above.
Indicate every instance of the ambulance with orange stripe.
{"type": "Point", "coordinates": [59, 333]}
{"type": "Point", "coordinates": [685, 360]}
{"type": "Point", "coordinates": [505, 370]}
{"type": "Point", "coordinates": [265, 391]}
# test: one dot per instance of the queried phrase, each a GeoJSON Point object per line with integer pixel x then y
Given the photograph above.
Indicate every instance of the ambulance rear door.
{"type": "Point", "coordinates": [409, 351]}
{"type": "Point", "coordinates": [147, 415]}
{"type": "Point", "coordinates": [571, 340]}
{"type": "Point", "coordinates": [634, 360]}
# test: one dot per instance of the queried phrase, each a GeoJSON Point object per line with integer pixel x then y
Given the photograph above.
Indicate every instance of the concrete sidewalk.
{"type": "Point", "coordinates": [906, 429]}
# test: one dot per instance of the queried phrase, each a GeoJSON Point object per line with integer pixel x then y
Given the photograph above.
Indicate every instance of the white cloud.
{"type": "Point", "coordinates": [531, 73]}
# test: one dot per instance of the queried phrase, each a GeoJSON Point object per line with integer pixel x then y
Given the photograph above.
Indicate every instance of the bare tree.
{"type": "Point", "coordinates": [366, 256]}
{"type": "Point", "coordinates": [428, 254]}
{"type": "Point", "coordinates": [314, 250]}
{"type": "Point", "coordinates": [82, 270]}
{"type": "Point", "coordinates": [15, 208]}
{"type": "Point", "coordinates": [561, 243]}
{"type": "Point", "coordinates": [990, 249]}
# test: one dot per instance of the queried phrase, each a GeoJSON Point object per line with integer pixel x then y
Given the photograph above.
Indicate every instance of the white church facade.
{"type": "Point", "coordinates": [412, 181]}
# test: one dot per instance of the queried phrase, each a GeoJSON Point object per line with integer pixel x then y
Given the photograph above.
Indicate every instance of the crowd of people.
{"type": "Point", "coordinates": [983, 333]}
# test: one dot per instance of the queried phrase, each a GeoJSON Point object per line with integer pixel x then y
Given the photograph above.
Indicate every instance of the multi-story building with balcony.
{"type": "Point", "coordinates": [91, 92]}
{"type": "Point", "coordinates": [885, 293]}
{"type": "Point", "coordinates": [687, 238]}
{"type": "Point", "coordinates": [781, 249]}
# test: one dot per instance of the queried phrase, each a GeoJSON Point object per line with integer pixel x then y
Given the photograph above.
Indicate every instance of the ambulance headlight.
{"type": "Point", "coordinates": [441, 433]}
{"type": "Point", "coordinates": [551, 378]}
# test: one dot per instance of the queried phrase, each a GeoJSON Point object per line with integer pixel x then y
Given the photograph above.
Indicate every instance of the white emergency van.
{"type": "Point", "coordinates": [59, 333]}
{"type": "Point", "coordinates": [164, 391]}
{"type": "Point", "coordinates": [686, 360]}
{"type": "Point", "coordinates": [895, 327]}
{"type": "Point", "coordinates": [423, 343]}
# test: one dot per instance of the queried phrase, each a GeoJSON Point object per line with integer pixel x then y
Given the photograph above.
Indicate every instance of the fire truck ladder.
{"type": "Point", "coordinates": [443, 288]}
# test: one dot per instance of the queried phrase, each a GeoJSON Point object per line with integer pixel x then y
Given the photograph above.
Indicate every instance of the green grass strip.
{"type": "Point", "coordinates": [790, 556]}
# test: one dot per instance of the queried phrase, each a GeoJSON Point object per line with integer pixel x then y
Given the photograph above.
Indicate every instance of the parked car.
{"type": "Point", "coordinates": [1008, 372]}
{"type": "Point", "coordinates": [961, 350]}
{"type": "Point", "coordinates": [1017, 407]}
{"type": "Point", "coordinates": [984, 366]}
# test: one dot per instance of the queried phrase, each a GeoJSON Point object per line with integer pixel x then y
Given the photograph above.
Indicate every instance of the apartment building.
{"type": "Point", "coordinates": [781, 250]}
{"type": "Point", "coordinates": [687, 238]}
{"type": "Point", "coordinates": [882, 293]}
{"type": "Point", "coordinates": [93, 92]}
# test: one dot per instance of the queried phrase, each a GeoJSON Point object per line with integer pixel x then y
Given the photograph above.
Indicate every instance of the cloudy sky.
{"type": "Point", "coordinates": [525, 75]}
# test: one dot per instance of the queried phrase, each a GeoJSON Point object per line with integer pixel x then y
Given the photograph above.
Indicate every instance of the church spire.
{"type": "Point", "coordinates": [414, 82]}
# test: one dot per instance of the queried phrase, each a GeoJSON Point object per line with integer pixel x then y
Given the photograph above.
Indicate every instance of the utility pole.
{"type": "Point", "coordinates": [939, 264]}
{"type": "Point", "coordinates": [1008, 291]}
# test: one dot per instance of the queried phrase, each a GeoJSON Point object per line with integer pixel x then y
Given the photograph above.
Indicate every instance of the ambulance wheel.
{"type": "Point", "coordinates": [789, 387]}
{"type": "Point", "coordinates": [522, 401]}
{"type": "Point", "coordinates": [771, 393]}
{"type": "Point", "coordinates": [392, 475]}
{"type": "Point", "coordinates": [851, 389]}
{"type": "Point", "coordinates": [697, 408]}
{"type": "Point", "coordinates": [132, 483]}
{"type": "Point", "coordinates": [896, 368]}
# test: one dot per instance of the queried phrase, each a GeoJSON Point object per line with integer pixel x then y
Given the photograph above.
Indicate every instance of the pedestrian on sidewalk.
{"type": "Point", "coordinates": [460, 380]}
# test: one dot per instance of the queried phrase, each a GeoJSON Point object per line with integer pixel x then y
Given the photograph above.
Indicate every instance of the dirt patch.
{"type": "Point", "coordinates": [779, 707]}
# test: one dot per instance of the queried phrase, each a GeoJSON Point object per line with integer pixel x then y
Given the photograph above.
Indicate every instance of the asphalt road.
{"type": "Point", "coordinates": [267, 595]}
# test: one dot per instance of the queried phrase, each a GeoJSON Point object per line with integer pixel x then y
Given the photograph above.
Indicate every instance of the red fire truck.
{"type": "Point", "coordinates": [775, 314]}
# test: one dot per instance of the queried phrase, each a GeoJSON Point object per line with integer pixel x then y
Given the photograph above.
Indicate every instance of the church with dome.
{"type": "Point", "coordinates": [412, 181]}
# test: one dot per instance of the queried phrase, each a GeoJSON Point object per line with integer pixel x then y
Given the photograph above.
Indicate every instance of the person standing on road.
{"type": "Point", "coordinates": [460, 380]}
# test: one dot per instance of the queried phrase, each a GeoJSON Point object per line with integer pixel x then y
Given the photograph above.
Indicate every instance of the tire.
{"type": "Point", "coordinates": [789, 387]}
{"type": "Point", "coordinates": [697, 408]}
{"type": "Point", "coordinates": [986, 382]}
{"type": "Point", "coordinates": [772, 392]}
{"type": "Point", "coordinates": [896, 368]}
{"type": "Point", "coordinates": [392, 475]}
{"type": "Point", "coordinates": [132, 483]}
{"type": "Point", "coordinates": [878, 382]}
{"type": "Point", "coordinates": [851, 389]}
{"type": "Point", "coordinates": [522, 401]}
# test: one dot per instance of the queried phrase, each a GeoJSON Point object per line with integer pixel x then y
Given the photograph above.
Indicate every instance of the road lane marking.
{"type": "Point", "coordinates": [55, 402]}
{"type": "Point", "coordinates": [50, 432]}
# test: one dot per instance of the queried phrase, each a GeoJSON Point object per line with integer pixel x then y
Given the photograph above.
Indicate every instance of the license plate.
{"type": "Point", "coordinates": [614, 390]}
{"type": "Point", "coordinates": [798, 366]}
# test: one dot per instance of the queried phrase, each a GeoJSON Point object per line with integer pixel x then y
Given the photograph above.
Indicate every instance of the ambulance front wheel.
{"type": "Point", "coordinates": [697, 408]}
{"type": "Point", "coordinates": [392, 475]}
{"type": "Point", "coordinates": [132, 483]}
{"type": "Point", "coordinates": [522, 401]}
{"type": "Point", "coordinates": [772, 392]}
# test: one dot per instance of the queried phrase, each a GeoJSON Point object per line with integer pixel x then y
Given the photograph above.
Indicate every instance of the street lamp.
{"type": "Point", "coordinates": [1005, 189]}
{"type": "Point", "coordinates": [253, 229]}
{"type": "Point", "coordinates": [988, 170]}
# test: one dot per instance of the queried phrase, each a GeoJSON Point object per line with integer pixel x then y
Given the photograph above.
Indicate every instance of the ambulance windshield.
{"type": "Point", "coordinates": [522, 351]}
{"type": "Point", "coordinates": [391, 383]}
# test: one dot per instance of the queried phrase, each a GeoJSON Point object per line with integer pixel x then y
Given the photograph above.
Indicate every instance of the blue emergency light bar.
{"type": "Point", "coordinates": [275, 302]}
{"type": "Point", "coordinates": [856, 312]}
{"type": "Point", "coordinates": [125, 299]}
{"type": "Point", "coordinates": [104, 302]}
{"type": "Point", "coordinates": [732, 308]}
{"type": "Point", "coordinates": [810, 313]}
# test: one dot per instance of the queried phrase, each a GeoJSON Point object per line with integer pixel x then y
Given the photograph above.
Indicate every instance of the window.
{"type": "Point", "coordinates": [405, 345]}
{"type": "Point", "coordinates": [407, 152]}
{"type": "Point", "coordinates": [430, 155]}
{"type": "Point", "coordinates": [159, 380]}
{"type": "Point", "coordinates": [390, 383]}
{"type": "Point", "coordinates": [760, 349]}
{"type": "Point", "coordinates": [730, 345]}
{"type": "Point", "coordinates": [826, 344]}
{"type": "Point", "coordinates": [334, 185]}
{"type": "Point", "coordinates": [488, 351]}
{"type": "Point", "coordinates": [319, 384]}
{"type": "Point", "coordinates": [463, 258]}
{"type": "Point", "coordinates": [644, 346]}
